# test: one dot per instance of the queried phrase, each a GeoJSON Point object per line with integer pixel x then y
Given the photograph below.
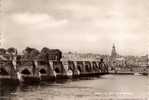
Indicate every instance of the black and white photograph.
{"type": "Point", "coordinates": [74, 49]}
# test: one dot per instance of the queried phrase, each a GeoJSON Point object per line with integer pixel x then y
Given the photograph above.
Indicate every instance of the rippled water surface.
{"type": "Point", "coordinates": [107, 87]}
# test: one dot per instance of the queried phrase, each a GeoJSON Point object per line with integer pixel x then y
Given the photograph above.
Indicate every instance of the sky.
{"type": "Point", "coordinates": [86, 26]}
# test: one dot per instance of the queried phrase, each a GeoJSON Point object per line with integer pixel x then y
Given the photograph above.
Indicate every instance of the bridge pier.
{"type": "Point", "coordinates": [59, 69]}
{"type": "Point", "coordinates": [52, 73]}
{"type": "Point", "coordinates": [95, 68]}
{"type": "Point", "coordinates": [81, 68]}
{"type": "Point", "coordinates": [7, 73]}
{"type": "Point", "coordinates": [92, 69]}
{"type": "Point", "coordinates": [67, 70]}
{"type": "Point", "coordinates": [76, 72]}
{"type": "Point", "coordinates": [87, 66]}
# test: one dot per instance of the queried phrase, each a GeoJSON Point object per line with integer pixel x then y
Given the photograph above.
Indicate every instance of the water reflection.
{"type": "Point", "coordinates": [107, 87]}
{"type": "Point", "coordinates": [6, 90]}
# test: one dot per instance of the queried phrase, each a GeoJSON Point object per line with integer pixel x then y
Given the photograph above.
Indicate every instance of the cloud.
{"type": "Point", "coordinates": [41, 20]}
{"type": "Point", "coordinates": [92, 25]}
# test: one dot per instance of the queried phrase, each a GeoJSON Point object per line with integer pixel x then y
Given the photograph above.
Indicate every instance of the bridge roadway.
{"type": "Point", "coordinates": [36, 71]}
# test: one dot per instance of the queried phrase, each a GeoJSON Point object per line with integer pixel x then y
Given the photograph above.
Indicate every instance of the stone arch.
{"type": "Point", "coordinates": [57, 70]}
{"type": "Point", "coordinates": [79, 66]}
{"type": "Point", "coordinates": [42, 71]}
{"type": "Point", "coordinates": [42, 67]}
{"type": "Point", "coordinates": [58, 67]}
{"type": "Point", "coordinates": [94, 65]}
{"type": "Point", "coordinates": [87, 67]}
{"type": "Point", "coordinates": [71, 65]}
{"type": "Point", "coordinates": [25, 72]}
{"type": "Point", "coordinates": [99, 66]}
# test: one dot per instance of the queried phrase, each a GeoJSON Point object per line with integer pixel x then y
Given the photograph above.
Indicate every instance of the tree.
{"type": "Point", "coordinates": [30, 53]}
{"type": "Point", "coordinates": [51, 54]}
{"type": "Point", "coordinates": [2, 51]}
{"type": "Point", "coordinates": [12, 51]}
{"type": "Point", "coordinates": [27, 50]}
{"type": "Point", "coordinates": [45, 51]}
{"type": "Point", "coordinates": [34, 53]}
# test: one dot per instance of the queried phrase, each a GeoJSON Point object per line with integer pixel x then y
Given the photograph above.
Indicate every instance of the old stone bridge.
{"type": "Point", "coordinates": [40, 70]}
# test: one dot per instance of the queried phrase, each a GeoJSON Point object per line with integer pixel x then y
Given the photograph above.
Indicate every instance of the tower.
{"type": "Point", "coordinates": [113, 53]}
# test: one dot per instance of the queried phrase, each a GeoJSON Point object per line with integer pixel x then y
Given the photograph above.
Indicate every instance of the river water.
{"type": "Point", "coordinates": [106, 87]}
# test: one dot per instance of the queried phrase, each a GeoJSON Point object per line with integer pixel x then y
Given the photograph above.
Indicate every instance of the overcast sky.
{"type": "Point", "coordinates": [77, 25]}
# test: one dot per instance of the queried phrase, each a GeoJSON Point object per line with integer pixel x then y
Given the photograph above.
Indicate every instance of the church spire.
{"type": "Point", "coordinates": [113, 53]}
